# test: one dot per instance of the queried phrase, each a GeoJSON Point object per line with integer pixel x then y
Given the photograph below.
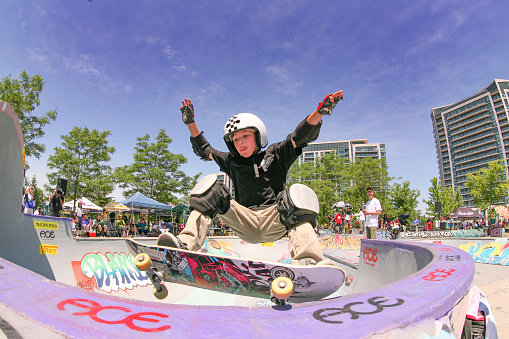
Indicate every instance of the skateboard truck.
{"type": "Point", "coordinates": [280, 290]}
{"type": "Point", "coordinates": [144, 263]}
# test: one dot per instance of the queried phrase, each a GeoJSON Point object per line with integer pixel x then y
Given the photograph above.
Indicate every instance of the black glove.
{"type": "Point", "coordinates": [326, 106]}
{"type": "Point", "coordinates": [187, 114]}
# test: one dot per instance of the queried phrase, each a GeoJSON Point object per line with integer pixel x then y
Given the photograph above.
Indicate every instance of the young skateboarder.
{"type": "Point", "coordinates": [264, 209]}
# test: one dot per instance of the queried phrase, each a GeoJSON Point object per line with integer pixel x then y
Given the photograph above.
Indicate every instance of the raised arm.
{"type": "Point", "coordinates": [304, 134]}
{"type": "Point", "coordinates": [187, 110]}
{"type": "Point", "coordinates": [200, 145]}
{"type": "Point", "coordinates": [325, 107]}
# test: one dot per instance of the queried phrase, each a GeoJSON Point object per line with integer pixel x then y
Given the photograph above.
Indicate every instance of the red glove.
{"type": "Point", "coordinates": [328, 103]}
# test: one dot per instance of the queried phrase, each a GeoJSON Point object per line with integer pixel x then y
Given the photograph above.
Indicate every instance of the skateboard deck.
{"type": "Point", "coordinates": [239, 275]}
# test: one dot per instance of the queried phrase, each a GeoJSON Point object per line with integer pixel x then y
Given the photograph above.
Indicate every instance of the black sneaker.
{"type": "Point", "coordinates": [169, 240]}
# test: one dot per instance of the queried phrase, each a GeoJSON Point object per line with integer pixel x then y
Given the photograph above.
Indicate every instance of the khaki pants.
{"type": "Point", "coordinates": [371, 234]}
{"type": "Point", "coordinates": [254, 227]}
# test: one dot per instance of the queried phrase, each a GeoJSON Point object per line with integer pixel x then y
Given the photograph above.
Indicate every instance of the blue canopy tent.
{"type": "Point", "coordinates": [139, 200]}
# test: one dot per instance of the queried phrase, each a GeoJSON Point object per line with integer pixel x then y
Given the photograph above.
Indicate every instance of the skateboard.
{"type": "Point", "coordinates": [254, 278]}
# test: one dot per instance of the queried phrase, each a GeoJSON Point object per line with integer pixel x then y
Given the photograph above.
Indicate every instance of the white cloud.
{"type": "Point", "coordinates": [282, 76]}
{"type": "Point", "coordinates": [440, 34]}
{"type": "Point", "coordinates": [211, 91]}
{"type": "Point", "coordinates": [168, 52]}
{"type": "Point", "coordinates": [83, 65]}
{"type": "Point", "coordinates": [38, 56]}
{"type": "Point", "coordinates": [180, 68]}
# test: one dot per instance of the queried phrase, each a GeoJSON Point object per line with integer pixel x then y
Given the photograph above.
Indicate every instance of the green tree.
{"type": "Point", "coordinates": [488, 185]}
{"type": "Point", "coordinates": [155, 171]}
{"type": "Point", "coordinates": [364, 173]}
{"type": "Point", "coordinates": [326, 178]}
{"type": "Point", "coordinates": [404, 199]}
{"type": "Point", "coordinates": [23, 95]}
{"type": "Point", "coordinates": [333, 179]}
{"type": "Point", "coordinates": [83, 160]}
{"type": "Point", "coordinates": [449, 199]}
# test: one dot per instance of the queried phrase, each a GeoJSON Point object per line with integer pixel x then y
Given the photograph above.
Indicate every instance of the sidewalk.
{"type": "Point", "coordinates": [493, 280]}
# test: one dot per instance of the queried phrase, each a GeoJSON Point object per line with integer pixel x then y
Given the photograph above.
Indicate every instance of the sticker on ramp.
{"type": "Point", "coordinates": [46, 224]}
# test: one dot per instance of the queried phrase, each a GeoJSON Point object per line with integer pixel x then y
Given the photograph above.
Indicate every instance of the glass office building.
{"type": "Point", "coordinates": [350, 149]}
{"type": "Point", "coordinates": [470, 133]}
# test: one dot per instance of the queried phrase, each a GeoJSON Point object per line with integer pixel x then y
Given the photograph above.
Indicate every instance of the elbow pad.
{"type": "Point", "coordinates": [201, 147]}
{"type": "Point", "coordinates": [305, 133]}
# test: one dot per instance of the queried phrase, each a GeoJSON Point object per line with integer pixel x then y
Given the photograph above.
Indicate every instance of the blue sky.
{"type": "Point", "coordinates": [125, 66]}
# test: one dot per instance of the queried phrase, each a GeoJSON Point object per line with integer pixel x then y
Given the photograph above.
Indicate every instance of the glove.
{"type": "Point", "coordinates": [187, 114]}
{"type": "Point", "coordinates": [326, 106]}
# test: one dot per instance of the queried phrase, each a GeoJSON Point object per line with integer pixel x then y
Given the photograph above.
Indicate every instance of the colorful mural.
{"type": "Point", "coordinates": [496, 252]}
{"type": "Point", "coordinates": [108, 272]}
{"type": "Point", "coordinates": [343, 242]}
{"type": "Point", "coordinates": [441, 234]}
{"type": "Point", "coordinates": [219, 247]}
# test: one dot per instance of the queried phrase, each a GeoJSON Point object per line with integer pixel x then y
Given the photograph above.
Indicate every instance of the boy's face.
{"type": "Point", "coordinates": [245, 142]}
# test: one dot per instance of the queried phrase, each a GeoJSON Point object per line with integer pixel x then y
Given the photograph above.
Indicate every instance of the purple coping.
{"type": "Point", "coordinates": [428, 294]}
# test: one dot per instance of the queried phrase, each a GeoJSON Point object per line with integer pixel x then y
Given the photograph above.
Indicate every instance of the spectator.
{"type": "Point", "coordinates": [121, 226]}
{"type": "Point", "coordinates": [386, 220]}
{"type": "Point", "coordinates": [338, 220]}
{"type": "Point", "coordinates": [429, 225]}
{"type": "Point", "coordinates": [451, 223]}
{"type": "Point", "coordinates": [38, 211]}
{"type": "Point", "coordinates": [85, 225]}
{"type": "Point", "coordinates": [396, 228]}
{"type": "Point", "coordinates": [57, 200]}
{"type": "Point", "coordinates": [415, 223]}
{"type": "Point", "coordinates": [348, 216]}
{"type": "Point", "coordinates": [28, 201]}
{"type": "Point", "coordinates": [142, 227]}
{"type": "Point", "coordinates": [169, 226]}
{"type": "Point", "coordinates": [372, 209]}
{"type": "Point", "coordinates": [112, 217]}
{"type": "Point", "coordinates": [156, 229]}
{"type": "Point", "coordinates": [99, 225]}
{"type": "Point", "coordinates": [78, 212]}
{"type": "Point", "coordinates": [362, 222]}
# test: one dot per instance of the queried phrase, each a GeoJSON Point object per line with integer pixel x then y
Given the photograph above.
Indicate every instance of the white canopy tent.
{"type": "Point", "coordinates": [341, 204]}
{"type": "Point", "coordinates": [88, 206]}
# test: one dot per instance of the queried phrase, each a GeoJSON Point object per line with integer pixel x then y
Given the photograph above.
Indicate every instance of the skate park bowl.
{"type": "Point", "coordinates": [55, 285]}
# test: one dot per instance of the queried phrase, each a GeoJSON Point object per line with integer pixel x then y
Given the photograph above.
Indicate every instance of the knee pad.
{"type": "Point", "coordinates": [297, 205]}
{"type": "Point", "coordinates": [210, 197]}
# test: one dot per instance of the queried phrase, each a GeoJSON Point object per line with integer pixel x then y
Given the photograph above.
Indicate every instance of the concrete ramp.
{"type": "Point", "coordinates": [19, 241]}
{"type": "Point", "coordinates": [430, 299]}
{"type": "Point", "coordinates": [493, 251]}
{"type": "Point", "coordinates": [69, 287]}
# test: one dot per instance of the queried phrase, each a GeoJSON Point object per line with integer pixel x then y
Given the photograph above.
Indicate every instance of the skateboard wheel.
{"type": "Point", "coordinates": [282, 288]}
{"type": "Point", "coordinates": [143, 261]}
{"type": "Point", "coordinates": [162, 293]}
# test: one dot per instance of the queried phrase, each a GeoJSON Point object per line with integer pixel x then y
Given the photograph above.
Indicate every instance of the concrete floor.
{"type": "Point", "coordinates": [493, 280]}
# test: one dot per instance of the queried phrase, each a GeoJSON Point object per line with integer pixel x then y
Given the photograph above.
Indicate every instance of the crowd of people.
{"type": "Point", "coordinates": [342, 221]}
{"type": "Point", "coordinates": [108, 224]}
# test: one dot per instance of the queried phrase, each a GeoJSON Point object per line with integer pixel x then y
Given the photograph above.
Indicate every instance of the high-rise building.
{"type": "Point", "coordinates": [349, 149]}
{"type": "Point", "coordinates": [470, 133]}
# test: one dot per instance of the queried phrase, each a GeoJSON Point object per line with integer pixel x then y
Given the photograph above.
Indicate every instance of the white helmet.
{"type": "Point", "coordinates": [244, 121]}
